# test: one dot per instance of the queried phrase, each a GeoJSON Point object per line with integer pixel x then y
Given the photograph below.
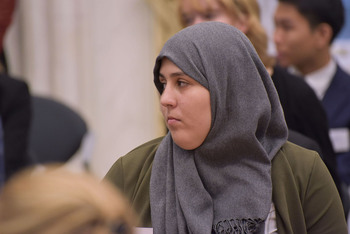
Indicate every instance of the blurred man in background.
{"type": "Point", "coordinates": [15, 107]}
{"type": "Point", "coordinates": [304, 32]}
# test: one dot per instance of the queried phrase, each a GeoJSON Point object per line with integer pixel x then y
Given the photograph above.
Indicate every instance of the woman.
{"type": "Point", "coordinates": [56, 201]}
{"type": "Point", "coordinates": [302, 110]}
{"type": "Point", "coordinates": [225, 165]}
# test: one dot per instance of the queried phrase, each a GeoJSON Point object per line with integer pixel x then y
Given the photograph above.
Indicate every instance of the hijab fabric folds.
{"type": "Point", "coordinates": [224, 185]}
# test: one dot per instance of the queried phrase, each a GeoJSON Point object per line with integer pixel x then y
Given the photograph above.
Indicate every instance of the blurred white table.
{"type": "Point", "coordinates": [143, 230]}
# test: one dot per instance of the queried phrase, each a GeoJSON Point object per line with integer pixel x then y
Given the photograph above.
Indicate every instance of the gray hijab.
{"type": "Point", "coordinates": [224, 185]}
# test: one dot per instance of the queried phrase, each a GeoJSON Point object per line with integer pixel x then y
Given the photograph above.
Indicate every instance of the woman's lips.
{"type": "Point", "coordinates": [172, 121]}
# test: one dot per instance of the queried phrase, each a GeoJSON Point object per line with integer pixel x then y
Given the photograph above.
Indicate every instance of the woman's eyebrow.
{"type": "Point", "coordinates": [174, 74]}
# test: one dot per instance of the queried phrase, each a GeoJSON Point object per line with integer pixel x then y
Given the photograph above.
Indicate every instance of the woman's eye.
{"type": "Point", "coordinates": [162, 83]}
{"type": "Point", "coordinates": [210, 15]}
{"type": "Point", "coordinates": [182, 83]}
{"type": "Point", "coordinates": [187, 20]}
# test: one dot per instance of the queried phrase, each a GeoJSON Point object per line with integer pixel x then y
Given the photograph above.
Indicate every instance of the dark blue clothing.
{"type": "Point", "coordinates": [305, 114]}
{"type": "Point", "coordinates": [2, 158]}
{"type": "Point", "coordinates": [337, 105]}
{"type": "Point", "coordinates": [15, 112]}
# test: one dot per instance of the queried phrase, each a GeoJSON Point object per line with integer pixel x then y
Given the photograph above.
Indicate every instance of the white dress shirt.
{"type": "Point", "coordinates": [320, 79]}
{"type": "Point", "coordinates": [270, 224]}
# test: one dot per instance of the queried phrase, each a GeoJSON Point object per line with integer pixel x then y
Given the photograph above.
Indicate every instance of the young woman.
{"type": "Point", "coordinates": [225, 165]}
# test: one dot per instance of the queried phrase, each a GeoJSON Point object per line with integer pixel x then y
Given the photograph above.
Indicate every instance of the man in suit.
{"type": "Point", "coordinates": [15, 112]}
{"type": "Point", "coordinates": [304, 31]}
{"type": "Point", "coordinates": [15, 106]}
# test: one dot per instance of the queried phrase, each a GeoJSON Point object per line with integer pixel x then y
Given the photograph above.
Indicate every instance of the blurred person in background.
{"type": "Point", "coordinates": [55, 200]}
{"type": "Point", "coordinates": [15, 106]}
{"type": "Point", "coordinates": [304, 32]}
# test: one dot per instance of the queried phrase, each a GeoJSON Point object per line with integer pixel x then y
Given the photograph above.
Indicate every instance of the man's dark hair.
{"type": "Point", "coordinates": [321, 11]}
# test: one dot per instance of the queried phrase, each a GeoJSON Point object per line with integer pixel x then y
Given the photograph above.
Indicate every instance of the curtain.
{"type": "Point", "coordinates": [96, 56]}
{"type": "Point", "coordinates": [166, 21]}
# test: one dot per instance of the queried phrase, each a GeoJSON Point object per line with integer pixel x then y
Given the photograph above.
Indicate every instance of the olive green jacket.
{"type": "Point", "coordinates": [305, 197]}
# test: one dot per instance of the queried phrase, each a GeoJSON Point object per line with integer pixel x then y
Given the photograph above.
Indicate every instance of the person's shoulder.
{"type": "Point", "coordinates": [301, 90]}
{"type": "Point", "coordinates": [283, 75]}
{"type": "Point", "coordinates": [143, 151]}
{"type": "Point", "coordinates": [339, 87]}
{"type": "Point", "coordinates": [298, 158]}
{"type": "Point", "coordinates": [342, 74]}
{"type": "Point", "coordinates": [8, 80]}
{"type": "Point", "coordinates": [140, 156]}
{"type": "Point", "coordinates": [150, 144]}
{"type": "Point", "coordinates": [13, 88]}
{"type": "Point", "coordinates": [293, 166]}
{"type": "Point", "coordinates": [304, 141]}
{"type": "Point", "coordinates": [128, 169]}
{"type": "Point", "coordinates": [14, 94]}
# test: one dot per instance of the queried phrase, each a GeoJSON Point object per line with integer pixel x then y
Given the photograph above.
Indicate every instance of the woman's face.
{"type": "Point", "coordinates": [198, 11]}
{"type": "Point", "coordinates": [203, 11]}
{"type": "Point", "coordinates": [185, 105]}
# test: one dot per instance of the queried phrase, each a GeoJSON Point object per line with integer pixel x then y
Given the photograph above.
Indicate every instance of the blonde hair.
{"type": "Point", "coordinates": [58, 201]}
{"type": "Point", "coordinates": [244, 8]}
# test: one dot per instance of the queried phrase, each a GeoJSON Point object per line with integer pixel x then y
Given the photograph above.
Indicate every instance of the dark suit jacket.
{"type": "Point", "coordinates": [304, 141]}
{"type": "Point", "coordinates": [305, 114]}
{"type": "Point", "coordinates": [337, 105]}
{"type": "Point", "coordinates": [15, 111]}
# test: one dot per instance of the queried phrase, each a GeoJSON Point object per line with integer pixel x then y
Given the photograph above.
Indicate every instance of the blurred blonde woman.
{"type": "Point", "coordinates": [243, 14]}
{"type": "Point", "coordinates": [303, 112]}
{"type": "Point", "coordinates": [56, 201]}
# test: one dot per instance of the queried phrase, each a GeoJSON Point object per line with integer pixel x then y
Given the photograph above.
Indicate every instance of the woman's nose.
{"type": "Point", "coordinates": [167, 98]}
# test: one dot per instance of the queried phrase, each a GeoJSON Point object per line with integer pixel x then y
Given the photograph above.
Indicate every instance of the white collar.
{"type": "Point", "coordinates": [320, 79]}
